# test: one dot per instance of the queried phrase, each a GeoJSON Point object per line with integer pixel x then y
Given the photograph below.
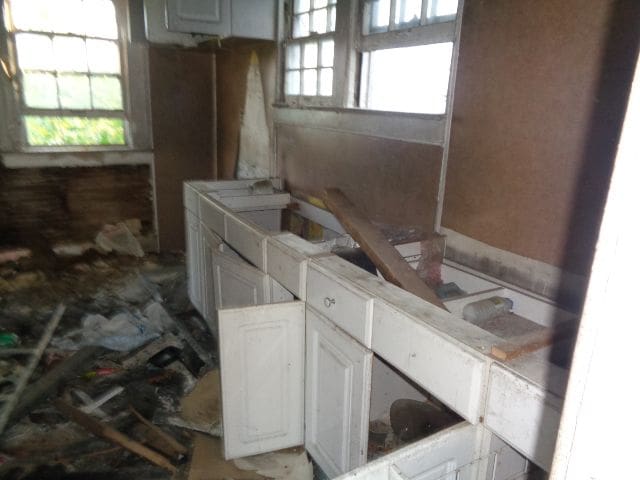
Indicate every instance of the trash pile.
{"type": "Point", "coordinates": [107, 371]}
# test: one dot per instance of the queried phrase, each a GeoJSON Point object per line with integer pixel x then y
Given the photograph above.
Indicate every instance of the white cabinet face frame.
{"type": "Point", "coordinates": [192, 227]}
{"type": "Point", "coordinates": [337, 392]}
{"type": "Point", "coordinates": [210, 248]}
{"type": "Point", "coordinates": [262, 377]}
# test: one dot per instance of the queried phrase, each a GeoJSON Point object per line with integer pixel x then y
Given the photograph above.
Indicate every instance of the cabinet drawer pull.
{"type": "Point", "coordinates": [329, 301]}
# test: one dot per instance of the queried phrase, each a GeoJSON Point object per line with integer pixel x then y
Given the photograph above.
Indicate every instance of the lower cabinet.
{"type": "Point", "coordinates": [337, 392]}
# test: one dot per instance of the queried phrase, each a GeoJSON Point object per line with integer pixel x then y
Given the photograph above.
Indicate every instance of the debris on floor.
{"type": "Point", "coordinates": [127, 384]}
{"type": "Point", "coordinates": [128, 348]}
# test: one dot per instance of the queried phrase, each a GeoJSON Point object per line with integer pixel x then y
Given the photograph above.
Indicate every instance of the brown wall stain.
{"type": "Point", "coordinates": [539, 98]}
{"type": "Point", "coordinates": [232, 65]}
{"type": "Point", "coordinates": [393, 182]}
{"type": "Point", "coordinates": [182, 115]}
{"type": "Point", "coordinates": [41, 206]}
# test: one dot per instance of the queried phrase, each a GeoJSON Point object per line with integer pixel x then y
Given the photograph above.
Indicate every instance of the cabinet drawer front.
{"type": "Point", "coordinates": [247, 240]}
{"type": "Point", "coordinates": [436, 362]}
{"type": "Point", "coordinates": [212, 217]}
{"type": "Point", "coordinates": [190, 198]}
{"type": "Point", "coordinates": [288, 267]}
{"type": "Point", "coordinates": [347, 307]}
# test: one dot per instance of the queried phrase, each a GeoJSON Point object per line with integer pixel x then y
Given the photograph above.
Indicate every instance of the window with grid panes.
{"type": "Point", "coordinates": [408, 72]}
{"type": "Point", "coordinates": [309, 49]}
{"type": "Point", "coordinates": [68, 55]}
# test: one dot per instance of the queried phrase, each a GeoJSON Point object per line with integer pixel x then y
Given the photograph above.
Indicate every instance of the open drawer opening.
{"type": "Point", "coordinates": [401, 412]}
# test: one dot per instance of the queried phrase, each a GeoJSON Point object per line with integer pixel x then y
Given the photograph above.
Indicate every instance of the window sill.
{"type": "Point", "coordinates": [409, 127]}
{"type": "Point", "coordinates": [75, 159]}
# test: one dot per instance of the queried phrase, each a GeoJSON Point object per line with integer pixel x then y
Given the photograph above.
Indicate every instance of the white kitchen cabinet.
{"type": "Point", "coordinates": [194, 287]}
{"type": "Point", "coordinates": [337, 390]}
{"type": "Point", "coordinates": [224, 18]}
{"type": "Point", "coordinates": [262, 377]}
{"type": "Point", "coordinates": [448, 455]}
{"type": "Point", "coordinates": [210, 248]}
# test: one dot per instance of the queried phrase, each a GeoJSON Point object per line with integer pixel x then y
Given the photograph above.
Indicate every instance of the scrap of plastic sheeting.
{"type": "Point", "coordinates": [123, 332]}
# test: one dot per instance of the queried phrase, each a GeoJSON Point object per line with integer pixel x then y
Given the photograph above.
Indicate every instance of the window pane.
{"type": "Point", "coordinates": [310, 59]}
{"type": "Point", "coordinates": [70, 54]}
{"type": "Point", "coordinates": [310, 82]}
{"type": "Point", "coordinates": [36, 15]}
{"type": "Point", "coordinates": [100, 18]}
{"type": "Point", "coordinates": [379, 12]}
{"type": "Point", "coordinates": [103, 56]}
{"type": "Point", "coordinates": [442, 8]}
{"type": "Point", "coordinates": [292, 83]}
{"type": "Point", "coordinates": [106, 93]}
{"type": "Point", "coordinates": [408, 11]}
{"type": "Point", "coordinates": [301, 25]}
{"type": "Point", "coordinates": [319, 3]}
{"type": "Point", "coordinates": [40, 90]}
{"type": "Point", "coordinates": [34, 52]}
{"type": "Point", "coordinates": [326, 53]}
{"type": "Point", "coordinates": [326, 82]}
{"type": "Point", "coordinates": [331, 27]}
{"type": "Point", "coordinates": [52, 131]}
{"type": "Point", "coordinates": [319, 21]}
{"type": "Point", "coordinates": [300, 6]}
{"type": "Point", "coordinates": [74, 91]}
{"type": "Point", "coordinates": [293, 56]}
{"type": "Point", "coordinates": [411, 79]}
{"type": "Point", "coordinates": [69, 17]}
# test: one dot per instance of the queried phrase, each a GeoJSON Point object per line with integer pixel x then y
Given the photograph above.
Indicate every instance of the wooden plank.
{"type": "Point", "coordinates": [101, 430]}
{"type": "Point", "coordinates": [532, 341]}
{"type": "Point", "coordinates": [385, 257]}
{"type": "Point", "coordinates": [165, 442]}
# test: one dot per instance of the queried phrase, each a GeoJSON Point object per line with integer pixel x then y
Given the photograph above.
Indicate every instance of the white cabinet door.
{"type": "Point", "coordinates": [338, 386]}
{"type": "Point", "coordinates": [192, 226]}
{"type": "Point", "coordinates": [262, 377]}
{"type": "Point", "coordinates": [238, 284]}
{"type": "Point", "coordinates": [211, 17]}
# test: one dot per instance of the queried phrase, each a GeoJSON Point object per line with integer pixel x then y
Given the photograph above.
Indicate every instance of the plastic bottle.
{"type": "Point", "coordinates": [486, 309]}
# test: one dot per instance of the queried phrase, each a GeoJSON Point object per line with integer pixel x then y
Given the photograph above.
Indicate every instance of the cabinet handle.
{"type": "Point", "coordinates": [329, 301]}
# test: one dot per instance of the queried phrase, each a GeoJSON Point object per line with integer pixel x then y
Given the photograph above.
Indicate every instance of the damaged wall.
{"type": "Point", "coordinates": [42, 206]}
{"type": "Point", "coordinates": [392, 181]}
{"type": "Point", "coordinates": [183, 117]}
{"type": "Point", "coordinates": [541, 91]}
{"type": "Point", "coordinates": [232, 66]}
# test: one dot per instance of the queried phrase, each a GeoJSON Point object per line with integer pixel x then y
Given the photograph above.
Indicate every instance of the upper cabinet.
{"type": "Point", "coordinates": [223, 18]}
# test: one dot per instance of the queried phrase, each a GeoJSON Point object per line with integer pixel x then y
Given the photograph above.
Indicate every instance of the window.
{"type": "Point", "coordinates": [394, 55]}
{"type": "Point", "coordinates": [407, 69]}
{"type": "Point", "coordinates": [309, 49]}
{"type": "Point", "coordinates": [69, 74]}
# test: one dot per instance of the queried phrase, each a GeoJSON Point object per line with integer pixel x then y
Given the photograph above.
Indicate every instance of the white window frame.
{"type": "Point", "coordinates": [350, 43]}
{"type": "Point", "coordinates": [136, 108]}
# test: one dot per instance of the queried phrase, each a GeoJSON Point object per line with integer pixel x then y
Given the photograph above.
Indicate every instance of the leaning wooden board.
{"type": "Point", "coordinates": [385, 257]}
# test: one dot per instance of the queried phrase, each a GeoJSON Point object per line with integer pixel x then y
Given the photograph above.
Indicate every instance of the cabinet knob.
{"type": "Point", "coordinates": [329, 301]}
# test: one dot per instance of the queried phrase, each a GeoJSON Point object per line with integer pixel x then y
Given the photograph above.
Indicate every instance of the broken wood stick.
{"type": "Point", "coordinates": [530, 342]}
{"type": "Point", "coordinates": [105, 431]}
{"type": "Point", "coordinates": [50, 381]}
{"type": "Point", "coordinates": [384, 256]}
{"type": "Point", "coordinates": [166, 442]}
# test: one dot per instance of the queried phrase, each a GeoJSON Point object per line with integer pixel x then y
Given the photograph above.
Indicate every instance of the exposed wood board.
{"type": "Point", "coordinates": [104, 431]}
{"type": "Point", "coordinates": [532, 341]}
{"type": "Point", "coordinates": [386, 258]}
